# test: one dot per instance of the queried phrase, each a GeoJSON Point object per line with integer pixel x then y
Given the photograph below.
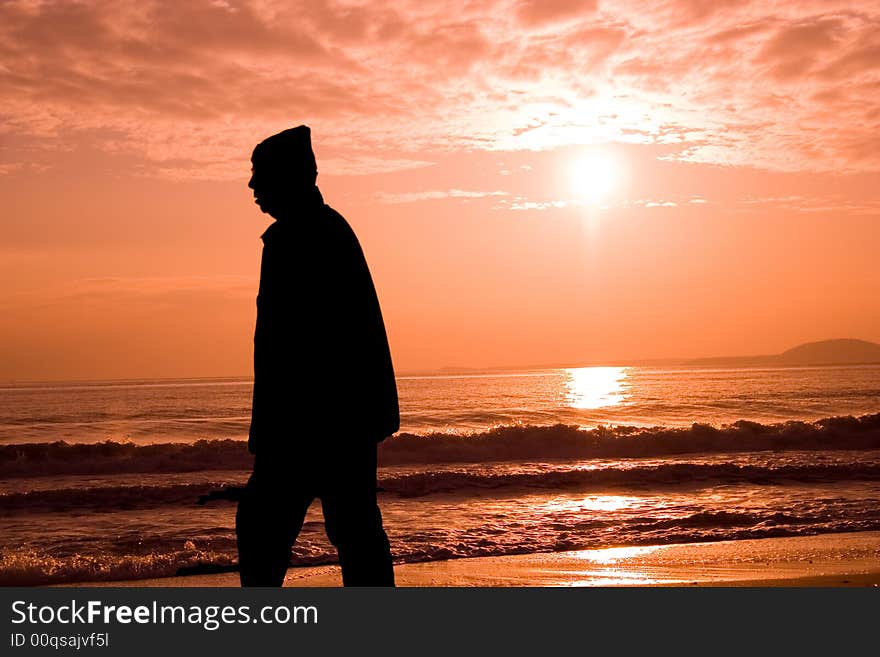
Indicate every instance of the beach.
{"type": "Point", "coordinates": [845, 559]}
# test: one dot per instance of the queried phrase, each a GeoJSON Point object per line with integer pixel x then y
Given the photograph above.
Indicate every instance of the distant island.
{"type": "Point", "coordinates": [843, 351]}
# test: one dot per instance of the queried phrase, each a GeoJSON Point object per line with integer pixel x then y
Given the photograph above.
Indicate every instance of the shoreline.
{"type": "Point", "coordinates": [835, 560]}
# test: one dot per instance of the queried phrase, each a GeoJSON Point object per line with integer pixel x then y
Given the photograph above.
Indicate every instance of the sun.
{"type": "Point", "coordinates": [594, 177]}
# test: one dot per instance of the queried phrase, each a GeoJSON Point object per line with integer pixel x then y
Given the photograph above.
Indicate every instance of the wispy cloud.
{"type": "Point", "coordinates": [365, 165]}
{"type": "Point", "coordinates": [832, 204]}
{"type": "Point", "coordinates": [412, 197]}
{"type": "Point", "coordinates": [128, 290]}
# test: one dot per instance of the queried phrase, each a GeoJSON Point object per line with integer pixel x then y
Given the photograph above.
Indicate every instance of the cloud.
{"type": "Point", "coordinates": [520, 204]}
{"type": "Point", "coordinates": [366, 165]}
{"type": "Point", "coordinates": [412, 197]}
{"type": "Point", "coordinates": [541, 12]}
{"type": "Point", "coordinates": [10, 167]}
{"type": "Point", "coordinates": [190, 87]}
{"type": "Point", "coordinates": [795, 49]}
{"type": "Point", "coordinates": [128, 290]}
{"type": "Point", "coordinates": [830, 204]}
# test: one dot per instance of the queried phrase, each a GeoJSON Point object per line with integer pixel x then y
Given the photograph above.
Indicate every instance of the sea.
{"type": "Point", "coordinates": [123, 480]}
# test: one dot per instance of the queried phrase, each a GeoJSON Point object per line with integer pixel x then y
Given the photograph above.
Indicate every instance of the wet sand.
{"type": "Point", "coordinates": [851, 559]}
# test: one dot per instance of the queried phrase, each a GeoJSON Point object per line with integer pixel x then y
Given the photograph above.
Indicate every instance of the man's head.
{"type": "Point", "coordinates": [283, 170]}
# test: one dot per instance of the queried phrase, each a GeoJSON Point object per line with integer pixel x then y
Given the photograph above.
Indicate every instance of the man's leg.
{"type": "Point", "coordinates": [269, 518]}
{"type": "Point", "coordinates": [353, 520]}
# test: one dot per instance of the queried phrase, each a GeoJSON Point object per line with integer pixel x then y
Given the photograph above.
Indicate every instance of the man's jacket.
{"type": "Point", "coordinates": [323, 375]}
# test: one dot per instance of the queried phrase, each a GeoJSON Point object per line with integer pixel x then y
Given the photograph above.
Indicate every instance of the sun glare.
{"type": "Point", "coordinates": [594, 177]}
{"type": "Point", "coordinates": [595, 387]}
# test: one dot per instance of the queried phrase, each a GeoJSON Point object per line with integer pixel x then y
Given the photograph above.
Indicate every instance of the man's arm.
{"type": "Point", "coordinates": [363, 341]}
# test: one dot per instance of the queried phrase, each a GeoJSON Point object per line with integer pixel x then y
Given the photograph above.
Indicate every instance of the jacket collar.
{"type": "Point", "coordinates": [308, 203]}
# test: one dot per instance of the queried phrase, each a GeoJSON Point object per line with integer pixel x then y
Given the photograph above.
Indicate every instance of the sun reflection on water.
{"type": "Point", "coordinates": [596, 387]}
{"type": "Point", "coordinates": [592, 503]}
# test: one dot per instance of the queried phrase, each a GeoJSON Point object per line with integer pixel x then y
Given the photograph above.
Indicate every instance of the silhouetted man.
{"type": "Point", "coordinates": [324, 389]}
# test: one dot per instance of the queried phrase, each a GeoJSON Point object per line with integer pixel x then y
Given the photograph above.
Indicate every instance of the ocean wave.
{"type": "Point", "coordinates": [510, 443]}
{"type": "Point", "coordinates": [108, 457]}
{"type": "Point", "coordinates": [33, 568]}
{"type": "Point", "coordinates": [460, 481]}
{"type": "Point", "coordinates": [105, 498]}
{"type": "Point", "coordinates": [629, 478]}
{"type": "Point", "coordinates": [505, 443]}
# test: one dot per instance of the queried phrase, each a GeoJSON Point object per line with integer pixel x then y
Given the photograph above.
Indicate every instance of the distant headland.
{"type": "Point", "coordinates": [842, 351]}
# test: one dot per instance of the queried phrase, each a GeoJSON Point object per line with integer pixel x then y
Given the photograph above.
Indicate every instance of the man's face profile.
{"type": "Point", "coordinates": [264, 191]}
{"type": "Point", "coordinates": [275, 186]}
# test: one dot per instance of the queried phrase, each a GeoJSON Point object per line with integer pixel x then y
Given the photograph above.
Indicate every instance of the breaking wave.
{"type": "Point", "coordinates": [459, 481]}
{"type": "Point", "coordinates": [629, 478]}
{"type": "Point", "coordinates": [506, 443]}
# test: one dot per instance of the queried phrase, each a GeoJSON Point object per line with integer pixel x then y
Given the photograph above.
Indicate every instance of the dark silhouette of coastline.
{"type": "Point", "coordinates": [842, 351]}
{"type": "Point", "coordinates": [324, 388]}
{"type": "Point", "coordinates": [831, 353]}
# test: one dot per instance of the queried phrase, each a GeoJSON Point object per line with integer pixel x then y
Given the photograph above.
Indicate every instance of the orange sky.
{"type": "Point", "coordinates": [742, 140]}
